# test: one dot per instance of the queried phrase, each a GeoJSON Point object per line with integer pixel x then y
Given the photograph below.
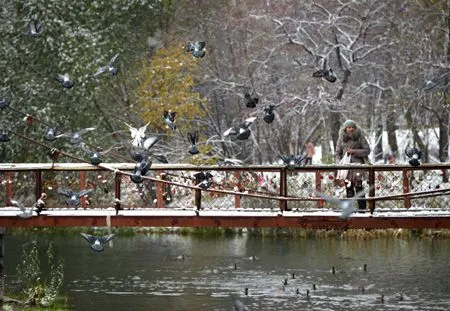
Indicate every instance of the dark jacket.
{"type": "Point", "coordinates": [357, 142]}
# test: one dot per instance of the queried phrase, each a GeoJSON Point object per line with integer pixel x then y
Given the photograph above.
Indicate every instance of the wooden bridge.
{"type": "Point", "coordinates": [398, 196]}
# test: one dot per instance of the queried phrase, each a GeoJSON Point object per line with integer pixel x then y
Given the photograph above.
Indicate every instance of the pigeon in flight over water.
{"type": "Point", "coordinates": [75, 137]}
{"type": "Point", "coordinates": [414, 154]}
{"type": "Point", "coordinates": [26, 213]}
{"type": "Point", "coordinates": [327, 74]}
{"type": "Point", "coordinates": [169, 119]}
{"type": "Point", "coordinates": [65, 80]}
{"type": "Point", "coordinates": [97, 242]}
{"type": "Point", "coordinates": [239, 305]}
{"type": "Point", "coordinates": [109, 67]}
{"type": "Point", "coordinates": [193, 140]}
{"type": "Point", "coordinates": [250, 101]}
{"type": "Point", "coordinates": [197, 48]}
{"type": "Point", "coordinates": [35, 28]}
{"type": "Point", "coordinates": [73, 198]}
{"type": "Point", "coordinates": [242, 131]}
{"type": "Point", "coordinates": [269, 116]}
{"type": "Point", "coordinates": [347, 206]}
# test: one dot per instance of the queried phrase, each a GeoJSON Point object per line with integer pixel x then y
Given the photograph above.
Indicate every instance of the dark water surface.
{"type": "Point", "coordinates": [144, 272]}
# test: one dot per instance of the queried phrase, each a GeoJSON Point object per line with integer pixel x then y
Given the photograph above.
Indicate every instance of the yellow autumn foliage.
{"type": "Point", "coordinates": [167, 83]}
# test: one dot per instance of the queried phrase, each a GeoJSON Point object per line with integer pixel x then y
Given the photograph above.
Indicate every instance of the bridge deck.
{"type": "Point", "coordinates": [314, 219]}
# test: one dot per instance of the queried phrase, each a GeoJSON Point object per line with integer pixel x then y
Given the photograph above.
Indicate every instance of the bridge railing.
{"type": "Point", "coordinates": [244, 187]}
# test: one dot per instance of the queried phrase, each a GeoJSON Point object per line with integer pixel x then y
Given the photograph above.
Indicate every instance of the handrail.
{"type": "Point", "coordinates": [124, 169]}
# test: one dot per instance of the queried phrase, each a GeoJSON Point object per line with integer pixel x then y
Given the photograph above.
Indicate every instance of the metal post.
{"type": "Point", "coordinates": [283, 189]}
{"type": "Point", "coordinates": [38, 184]}
{"type": "Point", "coordinates": [371, 203]}
{"type": "Point", "coordinates": [2, 281]}
{"type": "Point", "coordinates": [9, 189]}
{"type": "Point", "coordinates": [319, 203]}
{"type": "Point", "coordinates": [82, 187]}
{"type": "Point", "coordinates": [198, 195]}
{"type": "Point", "coordinates": [407, 198]}
{"type": "Point", "coordinates": [117, 190]}
{"type": "Point", "coordinates": [159, 190]}
{"type": "Point", "coordinates": [237, 198]}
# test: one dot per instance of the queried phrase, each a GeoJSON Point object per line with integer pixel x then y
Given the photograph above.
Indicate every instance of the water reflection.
{"type": "Point", "coordinates": [149, 273]}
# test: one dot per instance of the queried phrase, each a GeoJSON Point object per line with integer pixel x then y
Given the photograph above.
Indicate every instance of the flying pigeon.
{"type": "Point", "coordinates": [347, 206]}
{"type": "Point", "coordinates": [109, 67]}
{"type": "Point", "coordinates": [51, 135]}
{"type": "Point", "coordinates": [269, 116]}
{"type": "Point", "coordinates": [242, 131]}
{"type": "Point", "coordinates": [94, 155]}
{"type": "Point", "coordinates": [65, 80]}
{"type": "Point", "coordinates": [204, 179]}
{"type": "Point", "coordinates": [292, 161]}
{"type": "Point", "coordinates": [26, 213]}
{"type": "Point", "coordinates": [433, 83]}
{"type": "Point", "coordinates": [35, 28]}
{"type": "Point", "coordinates": [75, 137]}
{"type": "Point", "coordinates": [161, 158]}
{"type": "Point", "coordinates": [414, 154]}
{"type": "Point", "coordinates": [250, 101]}
{"type": "Point", "coordinates": [197, 48]}
{"type": "Point", "coordinates": [4, 103]}
{"type": "Point", "coordinates": [73, 198]}
{"type": "Point", "coordinates": [324, 73]}
{"type": "Point", "coordinates": [239, 305]}
{"type": "Point", "coordinates": [193, 140]}
{"type": "Point", "coordinates": [137, 135]}
{"type": "Point", "coordinates": [4, 135]}
{"type": "Point", "coordinates": [140, 153]}
{"type": "Point", "coordinates": [230, 162]}
{"type": "Point", "coordinates": [97, 242]}
{"type": "Point", "coordinates": [169, 118]}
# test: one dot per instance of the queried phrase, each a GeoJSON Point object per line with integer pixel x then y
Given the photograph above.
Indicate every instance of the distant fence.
{"type": "Point", "coordinates": [245, 187]}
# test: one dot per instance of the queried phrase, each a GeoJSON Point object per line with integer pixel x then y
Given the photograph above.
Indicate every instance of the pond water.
{"type": "Point", "coordinates": [148, 272]}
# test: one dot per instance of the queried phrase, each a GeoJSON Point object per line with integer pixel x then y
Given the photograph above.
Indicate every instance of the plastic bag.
{"type": "Point", "coordinates": [342, 174]}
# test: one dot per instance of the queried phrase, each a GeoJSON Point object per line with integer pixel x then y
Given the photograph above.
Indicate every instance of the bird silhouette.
{"type": "Point", "coordinates": [414, 154]}
{"type": "Point", "coordinates": [242, 131]}
{"type": "Point", "coordinates": [4, 103]}
{"type": "Point", "coordinates": [197, 48]}
{"type": "Point", "coordinates": [250, 101]}
{"type": "Point", "coordinates": [73, 198]}
{"type": "Point", "coordinates": [65, 80]}
{"type": "Point", "coordinates": [137, 134]}
{"type": "Point", "coordinates": [269, 116]}
{"type": "Point", "coordinates": [347, 206]}
{"type": "Point", "coordinates": [325, 73]}
{"type": "Point", "coordinates": [96, 242]}
{"type": "Point", "coordinates": [109, 67]}
{"type": "Point", "coordinates": [4, 135]}
{"type": "Point", "coordinates": [26, 212]}
{"type": "Point", "coordinates": [292, 161]}
{"type": "Point", "coordinates": [203, 180]}
{"type": "Point", "coordinates": [51, 134]}
{"type": "Point", "coordinates": [193, 140]}
{"type": "Point", "coordinates": [75, 137]}
{"type": "Point", "coordinates": [169, 118]}
{"type": "Point", "coordinates": [35, 28]}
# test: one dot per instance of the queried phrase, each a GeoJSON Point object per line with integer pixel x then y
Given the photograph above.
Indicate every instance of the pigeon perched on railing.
{"type": "Point", "coordinates": [40, 203]}
{"type": "Point", "coordinates": [292, 161]}
{"type": "Point", "coordinates": [324, 73]}
{"type": "Point", "coordinates": [73, 198]}
{"type": "Point", "coordinates": [4, 103]}
{"type": "Point", "coordinates": [169, 118]}
{"type": "Point", "coordinates": [109, 67]}
{"type": "Point", "coordinates": [97, 243]}
{"type": "Point", "coordinates": [269, 116]}
{"type": "Point", "coordinates": [75, 137]}
{"type": "Point", "coordinates": [250, 101]}
{"type": "Point", "coordinates": [140, 170]}
{"type": "Point", "coordinates": [35, 28]}
{"type": "Point", "coordinates": [197, 48]}
{"type": "Point", "coordinates": [193, 140]}
{"type": "Point", "coordinates": [65, 80]}
{"type": "Point", "coordinates": [414, 154]}
{"type": "Point", "coordinates": [242, 131]}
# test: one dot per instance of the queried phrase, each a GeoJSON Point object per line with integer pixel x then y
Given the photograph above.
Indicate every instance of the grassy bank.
{"type": "Point", "coordinates": [261, 232]}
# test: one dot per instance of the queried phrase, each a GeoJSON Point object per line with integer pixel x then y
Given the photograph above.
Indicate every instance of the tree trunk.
{"type": "Point", "coordinates": [391, 128]}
